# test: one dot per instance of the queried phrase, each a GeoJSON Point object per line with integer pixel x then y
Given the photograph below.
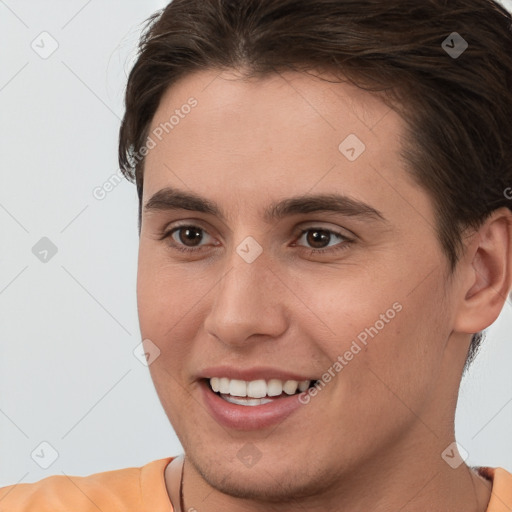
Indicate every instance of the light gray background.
{"type": "Point", "coordinates": [68, 327]}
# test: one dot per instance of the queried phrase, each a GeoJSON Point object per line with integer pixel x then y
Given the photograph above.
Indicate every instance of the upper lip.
{"type": "Point", "coordinates": [250, 374]}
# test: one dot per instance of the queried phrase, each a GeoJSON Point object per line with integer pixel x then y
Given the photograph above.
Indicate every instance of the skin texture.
{"type": "Point", "coordinates": [372, 439]}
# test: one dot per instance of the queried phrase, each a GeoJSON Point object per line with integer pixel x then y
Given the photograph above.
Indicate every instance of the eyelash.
{"type": "Point", "coordinates": [340, 247]}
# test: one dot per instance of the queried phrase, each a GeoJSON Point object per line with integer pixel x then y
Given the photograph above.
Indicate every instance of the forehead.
{"type": "Point", "coordinates": [263, 113]}
{"type": "Point", "coordinates": [219, 134]}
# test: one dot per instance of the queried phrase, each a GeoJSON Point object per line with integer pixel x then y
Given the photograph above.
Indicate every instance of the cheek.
{"type": "Point", "coordinates": [398, 369]}
{"type": "Point", "coordinates": [163, 294]}
{"type": "Point", "coordinates": [171, 313]}
{"type": "Point", "coordinates": [378, 327]}
{"type": "Point", "coordinates": [348, 313]}
{"type": "Point", "coordinates": [168, 317]}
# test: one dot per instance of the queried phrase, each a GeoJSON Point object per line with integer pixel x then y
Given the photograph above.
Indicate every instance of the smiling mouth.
{"type": "Point", "coordinates": [256, 392]}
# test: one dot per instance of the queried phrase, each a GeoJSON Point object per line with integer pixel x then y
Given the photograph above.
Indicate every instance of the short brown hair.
{"type": "Point", "coordinates": [458, 108]}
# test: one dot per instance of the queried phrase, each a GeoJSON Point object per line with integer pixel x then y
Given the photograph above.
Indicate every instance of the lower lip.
{"type": "Point", "coordinates": [246, 417]}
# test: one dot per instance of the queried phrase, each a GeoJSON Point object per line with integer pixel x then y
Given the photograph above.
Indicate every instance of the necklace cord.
{"type": "Point", "coordinates": [182, 506]}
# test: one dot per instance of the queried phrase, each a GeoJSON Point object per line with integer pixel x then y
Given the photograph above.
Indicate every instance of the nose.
{"type": "Point", "coordinates": [248, 303]}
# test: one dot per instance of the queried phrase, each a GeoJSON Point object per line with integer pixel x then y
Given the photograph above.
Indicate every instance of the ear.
{"type": "Point", "coordinates": [486, 274]}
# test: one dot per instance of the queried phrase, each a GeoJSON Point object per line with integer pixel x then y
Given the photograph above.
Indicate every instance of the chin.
{"type": "Point", "coordinates": [266, 481]}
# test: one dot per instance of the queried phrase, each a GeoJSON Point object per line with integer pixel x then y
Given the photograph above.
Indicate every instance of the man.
{"type": "Point", "coordinates": [324, 235]}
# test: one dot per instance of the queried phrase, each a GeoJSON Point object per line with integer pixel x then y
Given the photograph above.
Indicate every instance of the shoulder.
{"type": "Point", "coordinates": [501, 493]}
{"type": "Point", "coordinates": [118, 490]}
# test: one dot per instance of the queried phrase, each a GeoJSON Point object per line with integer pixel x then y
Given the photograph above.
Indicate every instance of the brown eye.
{"type": "Point", "coordinates": [186, 238]}
{"type": "Point", "coordinates": [318, 239]}
{"type": "Point", "coordinates": [189, 235]}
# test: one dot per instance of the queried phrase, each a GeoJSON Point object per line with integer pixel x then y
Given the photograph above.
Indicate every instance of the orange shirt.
{"type": "Point", "coordinates": [143, 490]}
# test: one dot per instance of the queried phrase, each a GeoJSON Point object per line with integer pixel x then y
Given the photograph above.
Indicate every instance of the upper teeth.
{"type": "Point", "coordinates": [257, 388]}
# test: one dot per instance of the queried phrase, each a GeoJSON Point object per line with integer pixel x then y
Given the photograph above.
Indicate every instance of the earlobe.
{"type": "Point", "coordinates": [487, 272]}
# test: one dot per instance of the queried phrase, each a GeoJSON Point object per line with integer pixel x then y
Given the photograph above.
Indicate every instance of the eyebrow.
{"type": "Point", "coordinates": [168, 199]}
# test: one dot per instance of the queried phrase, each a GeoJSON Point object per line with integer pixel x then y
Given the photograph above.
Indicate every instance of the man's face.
{"type": "Point", "coordinates": [372, 298]}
